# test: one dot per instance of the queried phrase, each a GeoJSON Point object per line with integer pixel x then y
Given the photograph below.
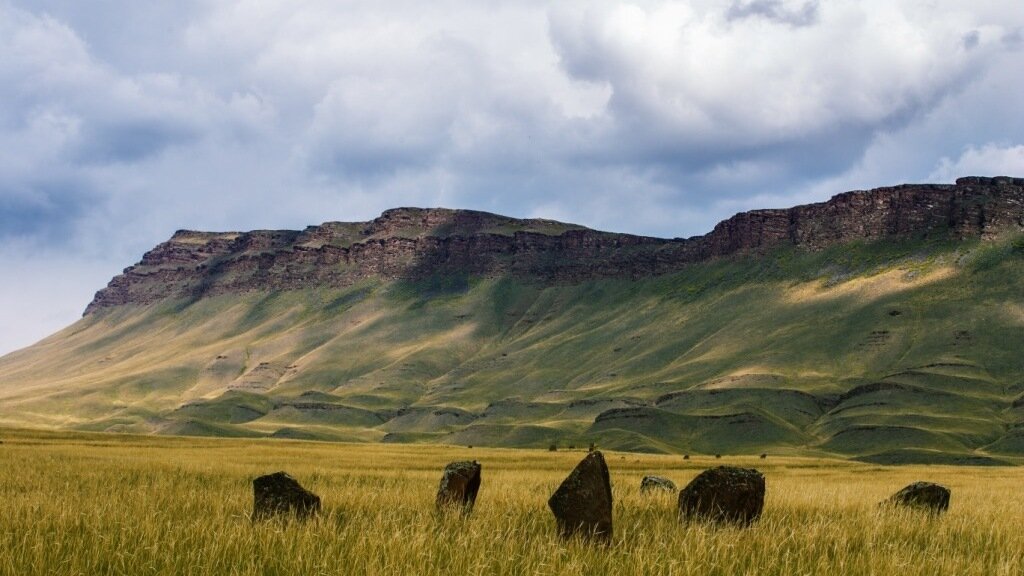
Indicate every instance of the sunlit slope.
{"type": "Point", "coordinates": [908, 351]}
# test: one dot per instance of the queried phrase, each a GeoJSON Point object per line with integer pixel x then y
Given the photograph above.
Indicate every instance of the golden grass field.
{"type": "Point", "coordinates": [72, 503]}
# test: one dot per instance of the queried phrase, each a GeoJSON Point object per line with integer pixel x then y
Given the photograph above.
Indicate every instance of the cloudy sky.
{"type": "Point", "coordinates": [122, 121]}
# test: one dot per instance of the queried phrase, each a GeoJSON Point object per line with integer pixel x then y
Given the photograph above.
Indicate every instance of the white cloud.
{"type": "Point", "coordinates": [702, 79]}
{"type": "Point", "coordinates": [988, 160]}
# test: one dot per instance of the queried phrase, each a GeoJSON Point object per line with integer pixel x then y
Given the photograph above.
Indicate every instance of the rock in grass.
{"type": "Point", "coordinates": [459, 485]}
{"type": "Point", "coordinates": [653, 483]}
{"type": "Point", "coordinates": [725, 494]}
{"type": "Point", "coordinates": [280, 494]}
{"type": "Point", "coordinates": [924, 496]}
{"type": "Point", "coordinates": [582, 504]}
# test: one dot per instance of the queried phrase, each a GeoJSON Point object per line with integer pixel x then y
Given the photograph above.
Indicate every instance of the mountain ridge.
{"type": "Point", "coordinates": [411, 243]}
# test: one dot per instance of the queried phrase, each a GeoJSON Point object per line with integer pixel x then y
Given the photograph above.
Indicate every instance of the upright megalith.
{"type": "Point", "coordinates": [582, 504]}
{"type": "Point", "coordinates": [460, 483]}
{"type": "Point", "coordinates": [725, 494]}
{"type": "Point", "coordinates": [922, 496]}
{"type": "Point", "coordinates": [280, 494]}
{"type": "Point", "coordinates": [657, 483]}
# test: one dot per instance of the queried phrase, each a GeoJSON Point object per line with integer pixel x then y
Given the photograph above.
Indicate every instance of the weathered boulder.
{"type": "Point", "coordinates": [279, 493]}
{"type": "Point", "coordinates": [650, 483]}
{"type": "Point", "coordinates": [460, 483]}
{"type": "Point", "coordinates": [582, 504]}
{"type": "Point", "coordinates": [922, 495]}
{"type": "Point", "coordinates": [724, 494]}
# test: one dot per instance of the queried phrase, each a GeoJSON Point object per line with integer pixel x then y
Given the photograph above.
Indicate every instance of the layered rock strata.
{"type": "Point", "coordinates": [414, 243]}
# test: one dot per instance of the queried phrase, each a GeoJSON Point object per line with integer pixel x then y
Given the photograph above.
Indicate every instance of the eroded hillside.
{"type": "Point", "coordinates": [892, 338]}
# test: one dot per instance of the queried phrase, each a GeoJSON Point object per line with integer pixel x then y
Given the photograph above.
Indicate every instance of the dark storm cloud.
{"type": "Point", "coordinates": [45, 210]}
{"type": "Point", "coordinates": [131, 141]}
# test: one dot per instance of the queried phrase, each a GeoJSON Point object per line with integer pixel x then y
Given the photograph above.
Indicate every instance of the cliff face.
{"type": "Point", "coordinates": [409, 243]}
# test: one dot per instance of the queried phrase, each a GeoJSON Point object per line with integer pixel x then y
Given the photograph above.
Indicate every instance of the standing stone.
{"type": "Point", "coordinates": [650, 483]}
{"type": "Point", "coordinates": [459, 485]}
{"type": "Point", "coordinates": [725, 495]}
{"type": "Point", "coordinates": [923, 495]}
{"type": "Point", "coordinates": [279, 493]}
{"type": "Point", "coordinates": [582, 504]}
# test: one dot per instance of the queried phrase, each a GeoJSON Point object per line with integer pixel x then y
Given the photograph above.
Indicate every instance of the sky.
{"type": "Point", "coordinates": [123, 121]}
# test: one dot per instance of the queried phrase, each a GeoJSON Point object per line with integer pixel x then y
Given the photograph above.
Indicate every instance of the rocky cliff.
{"type": "Point", "coordinates": [409, 243]}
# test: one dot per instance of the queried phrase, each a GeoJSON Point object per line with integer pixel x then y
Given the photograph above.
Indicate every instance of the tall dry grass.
{"type": "Point", "coordinates": [77, 504]}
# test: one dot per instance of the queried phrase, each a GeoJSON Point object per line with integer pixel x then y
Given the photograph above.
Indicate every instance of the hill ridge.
{"type": "Point", "coordinates": [413, 243]}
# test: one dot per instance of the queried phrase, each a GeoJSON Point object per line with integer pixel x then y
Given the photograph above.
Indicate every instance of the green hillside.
{"type": "Point", "coordinates": [893, 351]}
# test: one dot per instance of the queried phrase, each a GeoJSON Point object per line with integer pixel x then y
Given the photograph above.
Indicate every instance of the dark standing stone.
{"type": "Point", "coordinates": [650, 483]}
{"type": "Point", "coordinates": [764, 456]}
{"type": "Point", "coordinates": [459, 485]}
{"type": "Point", "coordinates": [718, 456]}
{"type": "Point", "coordinates": [552, 448]}
{"type": "Point", "coordinates": [686, 456]}
{"type": "Point", "coordinates": [582, 504]}
{"type": "Point", "coordinates": [592, 447]}
{"type": "Point", "coordinates": [924, 496]}
{"type": "Point", "coordinates": [724, 494]}
{"type": "Point", "coordinates": [279, 493]}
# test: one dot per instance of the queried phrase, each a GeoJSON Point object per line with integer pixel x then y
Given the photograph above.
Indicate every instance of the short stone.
{"type": "Point", "coordinates": [724, 494]}
{"type": "Point", "coordinates": [460, 483]}
{"type": "Point", "coordinates": [652, 483]}
{"type": "Point", "coordinates": [280, 494]}
{"type": "Point", "coordinates": [924, 496]}
{"type": "Point", "coordinates": [582, 504]}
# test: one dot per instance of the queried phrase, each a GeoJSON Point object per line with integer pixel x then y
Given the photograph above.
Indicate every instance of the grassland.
{"type": "Point", "coordinates": [93, 504]}
{"type": "Point", "coordinates": [891, 351]}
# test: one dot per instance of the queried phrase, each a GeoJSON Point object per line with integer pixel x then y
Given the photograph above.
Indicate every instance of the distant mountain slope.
{"type": "Point", "coordinates": [413, 243]}
{"type": "Point", "coordinates": [886, 325]}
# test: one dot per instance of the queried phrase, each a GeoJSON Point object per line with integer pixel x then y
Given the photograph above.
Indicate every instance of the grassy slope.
{"type": "Point", "coordinates": [182, 507]}
{"type": "Point", "coordinates": [862, 350]}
